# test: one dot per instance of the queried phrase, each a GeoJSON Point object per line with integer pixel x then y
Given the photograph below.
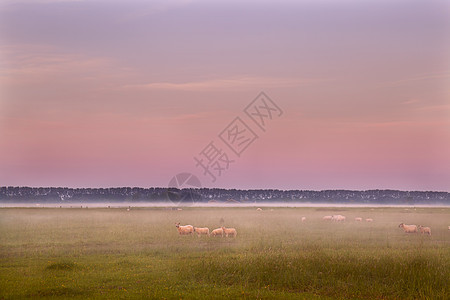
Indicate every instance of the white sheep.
{"type": "Point", "coordinates": [423, 230]}
{"type": "Point", "coordinates": [408, 228]}
{"type": "Point", "coordinates": [259, 209]}
{"type": "Point", "coordinates": [369, 220]}
{"type": "Point", "coordinates": [327, 218]}
{"type": "Point", "coordinates": [184, 230]}
{"type": "Point", "coordinates": [229, 232]}
{"type": "Point", "coordinates": [358, 219]}
{"type": "Point", "coordinates": [303, 219]}
{"type": "Point", "coordinates": [200, 231]}
{"type": "Point", "coordinates": [338, 218]}
{"type": "Point", "coordinates": [217, 232]}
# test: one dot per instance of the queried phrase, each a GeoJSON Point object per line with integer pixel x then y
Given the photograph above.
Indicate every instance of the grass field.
{"type": "Point", "coordinates": [84, 253]}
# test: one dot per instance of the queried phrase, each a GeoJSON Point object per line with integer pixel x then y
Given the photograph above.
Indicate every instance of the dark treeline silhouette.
{"type": "Point", "coordinates": [129, 194]}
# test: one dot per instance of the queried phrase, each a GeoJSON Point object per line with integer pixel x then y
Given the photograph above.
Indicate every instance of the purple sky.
{"type": "Point", "coordinates": [127, 93]}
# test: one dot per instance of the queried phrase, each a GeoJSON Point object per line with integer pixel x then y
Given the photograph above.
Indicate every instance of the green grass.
{"type": "Point", "coordinates": [115, 254]}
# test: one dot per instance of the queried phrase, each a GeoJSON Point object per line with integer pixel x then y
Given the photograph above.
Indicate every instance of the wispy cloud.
{"type": "Point", "coordinates": [241, 82]}
{"type": "Point", "coordinates": [418, 78]}
{"type": "Point", "coordinates": [29, 63]}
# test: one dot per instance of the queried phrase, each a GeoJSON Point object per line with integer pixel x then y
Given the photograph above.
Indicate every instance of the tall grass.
{"type": "Point", "coordinates": [104, 254]}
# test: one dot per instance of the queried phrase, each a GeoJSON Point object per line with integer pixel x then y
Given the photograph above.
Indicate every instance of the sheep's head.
{"type": "Point", "coordinates": [177, 225]}
{"type": "Point", "coordinates": [223, 228]}
{"type": "Point", "coordinates": [401, 225]}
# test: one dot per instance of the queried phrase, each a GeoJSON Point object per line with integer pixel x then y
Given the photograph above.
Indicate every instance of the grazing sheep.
{"type": "Point", "coordinates": [408, 228]}
{"type": "Point", "coordinates": [369, 220]}
{"type": "Point", "coordinates": [303, 219]}
{"type": "Point", "coordinates": [217, 232]}
{"type": "Point", "coordinates": [184, 230]}
{"type": "Point", "coordinates": [259, 209]}
{"type": "Point", "coordinates": [338, 218]}
{"type": "Point", "coordinates": [229, 232]}
{"type": "Point", "coordinates": [423, 230]}
{"type": "Point", "coordinates": [200, 231]}
{"type": "Point", "coordinates": [358, 219]}
{"type": "Point", "coordinates": [327, 218]}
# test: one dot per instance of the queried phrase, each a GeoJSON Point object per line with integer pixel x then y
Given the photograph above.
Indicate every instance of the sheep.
{"type": "Point", "coordinates": [184, 230]}
{"type": "Point", "coordinates": [217, 232]}
{"type": "Point", "coordinates": [229, 232]}
{"type": "Point", "coordinates": [408, 228]}
{"type": "Point", "coordinates": [358, 219]}
{"type": "Point", "coordinates": [259, 209]}
{"type": "Point", "coordinates": [423, 230]}
{"type": "Point", "coordinates": [338, 218]}
{"type": "Point", "coordinates": [200, 231]}
{"type": "Point", "coordinates": [327, 218]}
{"type": "Point", "coordinates": [303, 219]}
{"type": "Point", "coordinates": [448, 227]}
{"type": "Point", "coordinates": [369, 220]}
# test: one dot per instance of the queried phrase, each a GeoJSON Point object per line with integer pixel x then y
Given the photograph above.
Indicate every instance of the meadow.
{"type": "Point", "coordinates": [101, 253]}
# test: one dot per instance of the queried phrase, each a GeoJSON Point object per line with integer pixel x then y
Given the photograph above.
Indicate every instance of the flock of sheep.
{"type": "Point", "coordinates": [189, 230]}
{"type": "Point", "coordinates": [341, 218]}
{"type": "Point", "coordinates": [231, 232]}
{"type": "Point", "coordinates": [415, 229]}
{"type": "Point", "coordinates": [406, 228]}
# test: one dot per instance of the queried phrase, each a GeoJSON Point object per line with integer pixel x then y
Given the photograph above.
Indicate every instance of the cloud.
{"type": "Point", "coordinates": [421, 77]}
{"type": "Point", "coordinates": [25, 59]}
{"type": "Point", "coordinates": [241, 82]}
{"type": "Point", "coordinates": [25, 64]}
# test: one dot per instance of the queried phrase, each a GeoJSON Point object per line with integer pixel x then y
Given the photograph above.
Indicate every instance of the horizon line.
{"type": "Point", "coordinates": [237, 189]}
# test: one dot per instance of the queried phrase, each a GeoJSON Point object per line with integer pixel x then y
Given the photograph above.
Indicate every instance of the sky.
{"type": "Point", "coordinates": [106, 93]}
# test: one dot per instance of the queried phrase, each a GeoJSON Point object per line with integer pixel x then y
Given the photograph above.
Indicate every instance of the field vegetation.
{"type": "Point", "coordinates": [105, 253]}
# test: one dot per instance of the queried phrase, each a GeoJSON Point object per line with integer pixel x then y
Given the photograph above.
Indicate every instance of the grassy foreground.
{"type": "Point", "coordinates": [115, 254]}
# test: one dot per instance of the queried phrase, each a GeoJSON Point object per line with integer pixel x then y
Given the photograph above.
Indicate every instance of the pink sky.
{"type": "Point", "coordinates": [126, 93]}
